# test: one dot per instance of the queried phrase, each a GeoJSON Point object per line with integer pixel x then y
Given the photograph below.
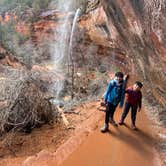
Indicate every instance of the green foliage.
{"type": "Point", "coordinates": [34, 7]}
{"type": "Point", "coordinates": [6, 32]}
{"type": "Point", "coordinates": [7, 5]}
{"type": "Point", "coordinates": [40, 4]}
{"type": "Point", "coordinates": [19, 6]}
{"type": "Point", "coordinates": [10, 37]}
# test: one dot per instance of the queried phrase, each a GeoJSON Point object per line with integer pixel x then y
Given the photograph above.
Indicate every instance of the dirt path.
{"type": "Point", "coordinates": [87, 146]}
{"type": "Point", "coordinates": [119, 147]}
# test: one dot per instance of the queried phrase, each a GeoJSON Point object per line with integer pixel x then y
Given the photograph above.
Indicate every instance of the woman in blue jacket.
{"type": "Point", "coordinates": [113, 96]}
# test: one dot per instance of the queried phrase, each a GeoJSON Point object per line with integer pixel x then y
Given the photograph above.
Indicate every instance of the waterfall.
{"type": "Point", "coordinates": [71, 49]}
{"type": "Point", "coordinates": [72, 32]}
{"type": "Point", "coordinates": [62, 47]}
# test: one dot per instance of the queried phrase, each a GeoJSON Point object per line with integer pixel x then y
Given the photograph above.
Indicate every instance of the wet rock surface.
{"type": "Point", "coordinates": [130, 31]}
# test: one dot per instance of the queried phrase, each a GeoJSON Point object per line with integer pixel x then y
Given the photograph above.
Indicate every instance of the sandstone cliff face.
{"type": "Point", "coordinates": [130, 33]}
{"type": "Point", "coordinates": [135, 31]}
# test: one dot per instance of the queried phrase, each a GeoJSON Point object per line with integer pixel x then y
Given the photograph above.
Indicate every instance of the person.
{"type": "Point", "coordinates": [133, 101]}
{"type": "Point", "coordinates": [112, 97]}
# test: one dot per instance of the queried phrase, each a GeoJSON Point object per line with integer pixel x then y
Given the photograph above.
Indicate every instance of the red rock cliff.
{"type": "Point", "coordinates": [136, 28]}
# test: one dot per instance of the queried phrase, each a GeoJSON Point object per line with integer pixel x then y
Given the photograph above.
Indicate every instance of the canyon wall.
{"type": "Point", "coordinates": [135, 31]}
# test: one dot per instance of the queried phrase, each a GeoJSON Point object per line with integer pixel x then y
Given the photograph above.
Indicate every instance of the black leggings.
{"type": "Point", "coordinates": [133, 112]}
{"type": "Point", "coordinates": [110, 109]}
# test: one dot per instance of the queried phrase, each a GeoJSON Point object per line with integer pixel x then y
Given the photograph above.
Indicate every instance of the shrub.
{"type": "Point", "coordinates": [23, 105]}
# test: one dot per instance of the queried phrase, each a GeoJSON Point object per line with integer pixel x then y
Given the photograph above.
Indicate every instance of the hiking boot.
{"type": "Point", "coordinates": [113, 122]}
{"type": "Point", "coordinates": [104, 128]}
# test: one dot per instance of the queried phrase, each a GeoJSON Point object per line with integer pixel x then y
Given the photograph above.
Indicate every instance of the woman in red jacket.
{"type": "Point", "coordinates": [133, 101]}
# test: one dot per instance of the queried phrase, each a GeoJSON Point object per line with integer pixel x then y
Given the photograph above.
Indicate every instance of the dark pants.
{"type": "Point", "coordinates": [126, 111]}
{"type": "Point", "coordinates": [110, 109]}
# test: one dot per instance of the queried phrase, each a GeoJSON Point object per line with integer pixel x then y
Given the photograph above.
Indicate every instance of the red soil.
{"type": "Point", "coordinates": [119, 147]}
{"type": "Point", "coordinates": [86, 145]}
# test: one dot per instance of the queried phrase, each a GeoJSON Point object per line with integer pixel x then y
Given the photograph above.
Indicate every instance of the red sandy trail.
{"type": "Point", "coordinates": [121, 146]}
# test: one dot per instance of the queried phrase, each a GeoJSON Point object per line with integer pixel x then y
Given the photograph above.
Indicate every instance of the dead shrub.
{"type": "Point", "coordinates": [23, 105]}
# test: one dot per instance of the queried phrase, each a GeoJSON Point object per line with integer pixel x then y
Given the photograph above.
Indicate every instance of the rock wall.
{"type": "Point", "coordinates": [126, 33]}
{"type": "Point", "coordinates": [135, 31]}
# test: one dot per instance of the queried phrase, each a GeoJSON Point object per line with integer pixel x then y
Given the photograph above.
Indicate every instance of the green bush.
{"type": "Point", "coordinates": [9, 37]}
{"type": "Point", "coordinates": [11, 4]}
{"type": "Point", "coordinates": [20, 6]}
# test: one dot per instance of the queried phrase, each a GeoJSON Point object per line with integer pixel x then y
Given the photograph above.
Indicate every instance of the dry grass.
{"type": "Point", "coordinates": [23, 105]}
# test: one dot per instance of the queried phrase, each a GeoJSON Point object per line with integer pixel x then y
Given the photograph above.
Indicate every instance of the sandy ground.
{"type": "Point", "coordinates": [121, 146]}
{"type": "Point", "coordinates": [85, 145]}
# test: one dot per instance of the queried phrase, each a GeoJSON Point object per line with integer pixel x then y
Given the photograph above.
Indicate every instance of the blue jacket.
{"type": "Point", "coordinates": [115, 92]}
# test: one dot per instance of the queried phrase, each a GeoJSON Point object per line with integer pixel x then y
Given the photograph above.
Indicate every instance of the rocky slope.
{"type": "Point", "coordinates": [134, 32]}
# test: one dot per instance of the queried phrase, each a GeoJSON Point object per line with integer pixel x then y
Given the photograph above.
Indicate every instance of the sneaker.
{"type": "Point", "coordinates": [104, 128]}
{"type": "Point", "coordinates": [133, 127]}
{"type": "Point", "coordinates": [121, 123]}
{"type": "Point", "coordinates": [113, 122]}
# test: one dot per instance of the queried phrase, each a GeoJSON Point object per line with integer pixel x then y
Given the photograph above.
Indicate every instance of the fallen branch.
{"type": "Point", "coordinates": [64, 119]}
{"type": "Point", "coordinates": [71, 112]}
